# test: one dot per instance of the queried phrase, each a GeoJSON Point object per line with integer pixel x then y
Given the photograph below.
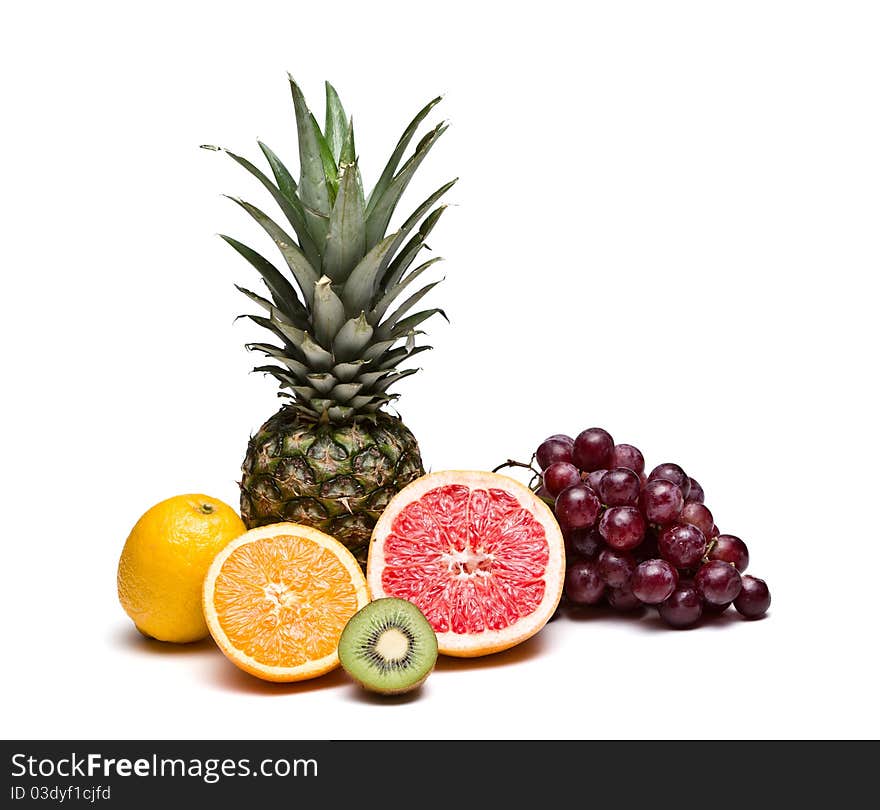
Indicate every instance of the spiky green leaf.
{"type": "Point", "coordinates": [274, 328]}
{"type": "Point", "coordinates": [349, 155]}
{"type": "Point", "coordinates": [312, 188]}
{"type": "Point", "coordinates": [361, 285]}
{"type": "Point", "coordinates": [346, 372]}
{"type": "Point", "coordinates": [312, 180]}
{"type": "Point", "coordinates": [386, 300]}
{"type": "Point", "coordinates": [347, 152]}
{"type": "Point", "coordinates": [322, 383]}
{"type": "Point", "coordinates": [316, 356]}
{"type": "Point", "coordinates": [331, 170]}
{"type": "Point", "coordinates": [379, 215]}
{"type": "Point", "coordinates": [401, 262]}
{"type": "Point", "coordinates": [384, 384]}
{"type": "Point", "coordinates": [351, 339]}
{"type": "Point", "coordinates": [257, 299]}
{"type": "Point", "coordinates": [328, 312]}
{"type": "Point", "coordinates": [292, 334]}
{"type": "Point", "coordinates": [413, 219]}
{"type": "Point", "coordinates": [291, 207]}
{"type": "Point", "coordinates": [376, 349]}
{"type": "Point", "coordinates": [343, 392]}
{"type": "Point", "coordinates": [335, 121]}
{"type": "Point", "coordinates": [266, 348]}
{"type": "Point", "coordinates": [299, 369]}
{"type": "Point", "coordinates": [393, 359]}
{"type": "Point", "coordinates": [397, 155]}
{"type": "Point", "coordinates": [346, 237]}
{"type": "Point", "coordinates": [282, 375]}
{"type": "Point", "coordinates": [358, 402]}
{"type": "Point", "coordinates": [395, 317]}
{"type": "Point", "coordinates": [305, 392]}
{"type": "Point", "coordinates": [401, 328]}
{"type": "Point", "coordinates": [376, 403]}
{"type": "Point", "coordinates": [282, 290]}
{"type": "Point", "coordinates": [284, 179]}
{"type": "Point", "coordinates": [370, 378]}
{"type": "Point", "coordinates": [296, 260]}
{"type": "Point", "coordinates": [283, 355]}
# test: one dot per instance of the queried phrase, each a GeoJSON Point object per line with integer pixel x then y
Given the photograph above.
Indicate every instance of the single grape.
{"type": "Point", "coordinates": [616, 567]}
{"type": "Point", "coordinates": [653, 581]}
{"type": "Point", "coordinates": [683, 607]}
{"type": "Point", "coordinates": [714, 533]}
{"type": "Point", "coordinates": [672, 472]}
{"type": "Point", "coordinates": [661, 501]}
{"type": "Point", "coordinates": [753, 599]}
{"type": "Point", "coordinates": [577, 507]}
{"type": "Point", "coordinates": [696, 493]}
{"type": "Point", "coordinates": [554, 448]}
{"type": "Point", "coordinates": [682, 544]}
{"type": "Point", "coordinates": [625, 455]}
{"type": "Point", "coordinates": [697, 515]}
{"type": "Point", "coordinates": [622, 527]}
{"type": "Point", "coordinates": [584, 542]}
{"type": "Point", "coordinates": [718, 582]}
{"type": "Point", "coordinates": [592, 449]}
{"type": "Point", "coordinates": [622, 598]}
{"type": "Point", "coordinates": [583, 585]}
{"type": "Point", "coordinates": [594, 478]}
{"type": "Point", "coordinates": [558, 476]}
{"type": "Point", "coordinates": [619, 487]}
{"type": "Point", "coordinates": [730, 549]}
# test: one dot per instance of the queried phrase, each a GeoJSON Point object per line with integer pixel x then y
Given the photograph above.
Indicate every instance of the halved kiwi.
{"type": "Point", "coordinates": [388, 646]}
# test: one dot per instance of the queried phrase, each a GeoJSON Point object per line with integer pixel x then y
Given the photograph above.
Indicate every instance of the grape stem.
{"type": "Point", "coordinates": [534, 482]}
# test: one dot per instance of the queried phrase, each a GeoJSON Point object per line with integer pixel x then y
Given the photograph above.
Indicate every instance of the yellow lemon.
{"type": "Point", "coordinates": [164, 562]}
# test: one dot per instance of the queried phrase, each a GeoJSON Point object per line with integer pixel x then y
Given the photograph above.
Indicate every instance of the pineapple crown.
{"type": "Point", "coordinates": [341, 343]}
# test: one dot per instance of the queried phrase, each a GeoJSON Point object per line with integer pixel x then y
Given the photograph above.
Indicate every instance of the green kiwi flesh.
{"type": "Point", "coordinates": [388, 646]}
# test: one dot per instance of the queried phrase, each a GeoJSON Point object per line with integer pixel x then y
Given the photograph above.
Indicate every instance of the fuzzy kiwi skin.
{"type": "Point", "coordinates": [402, 691]}
{"type": "Point", "coordinates": [430, 638]}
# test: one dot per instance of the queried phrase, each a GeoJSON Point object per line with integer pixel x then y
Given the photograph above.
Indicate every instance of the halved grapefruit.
{"type": "Point", "coordinates": [478, 553]}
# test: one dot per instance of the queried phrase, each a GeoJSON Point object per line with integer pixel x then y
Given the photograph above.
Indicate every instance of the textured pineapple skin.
{"type": "Point", "coordinates": [335, 477]}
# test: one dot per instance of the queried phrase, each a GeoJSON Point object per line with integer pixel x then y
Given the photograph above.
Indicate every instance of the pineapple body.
{"type": "Point", "coordinates": [335, 477]}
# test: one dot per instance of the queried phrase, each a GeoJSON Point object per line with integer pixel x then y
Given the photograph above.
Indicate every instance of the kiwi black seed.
{"type": "Point", "coordinates": [388, 646]}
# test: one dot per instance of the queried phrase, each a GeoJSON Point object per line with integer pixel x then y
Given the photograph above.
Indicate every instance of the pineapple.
{"type": "Point", "coordinates": [333, 456]}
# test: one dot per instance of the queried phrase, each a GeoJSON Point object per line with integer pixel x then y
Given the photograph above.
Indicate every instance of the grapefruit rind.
{"type": "Point", "coordinates": [278, 674]}
{"type": "Point", "coordinates": [485, 642]}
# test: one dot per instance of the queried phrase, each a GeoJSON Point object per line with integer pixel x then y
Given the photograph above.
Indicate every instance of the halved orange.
{"type": "Point", "coordinates": [277, 599]}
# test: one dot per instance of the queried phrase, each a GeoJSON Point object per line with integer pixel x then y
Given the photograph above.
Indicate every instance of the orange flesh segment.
{"type": "Point", "coordinates": [283, 600]}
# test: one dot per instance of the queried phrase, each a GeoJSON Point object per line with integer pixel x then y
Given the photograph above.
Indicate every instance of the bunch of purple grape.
{"type": "Point", "coordinates": [633, 539]}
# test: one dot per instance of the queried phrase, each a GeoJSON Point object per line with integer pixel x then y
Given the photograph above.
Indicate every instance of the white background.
{"type": "Point", "coordinates": [666, 225]}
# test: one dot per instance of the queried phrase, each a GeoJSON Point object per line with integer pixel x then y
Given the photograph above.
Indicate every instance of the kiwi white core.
{"type": "Point", "coordinates": [392, 644]}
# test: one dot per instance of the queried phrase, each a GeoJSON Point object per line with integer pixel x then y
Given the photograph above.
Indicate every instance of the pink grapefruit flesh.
{"type": "Point", "coordinates": [480, 555]}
